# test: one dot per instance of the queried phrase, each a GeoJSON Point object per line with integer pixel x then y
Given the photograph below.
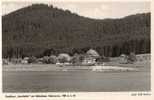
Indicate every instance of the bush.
{"type": "Point", "coordinates": [62, 58]}
{"type": "Point", "coordinates": [103, 59]}
{"type": "Point", "coordinates": [132, 57]}
{"type": "Point", "coordinates": [32, 59]}
{"type": "Point", "coordinates": [52, 59]}
{"type": "Point", "coordinates": [45, 60]}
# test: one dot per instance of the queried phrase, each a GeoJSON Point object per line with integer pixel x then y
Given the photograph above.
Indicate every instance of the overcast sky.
{"type": "Point", "coordinates": [98, 10]}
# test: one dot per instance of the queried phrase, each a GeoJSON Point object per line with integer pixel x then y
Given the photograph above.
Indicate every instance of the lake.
{"type": "Point", "coordinates": [75, 81]}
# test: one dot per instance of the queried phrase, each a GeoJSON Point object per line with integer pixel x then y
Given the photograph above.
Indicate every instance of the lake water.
{"type": "Point", "coordinates": [75, 81]}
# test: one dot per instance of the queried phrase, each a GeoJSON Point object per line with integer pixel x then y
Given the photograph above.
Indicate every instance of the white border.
{"type": "Point", "coordinates": [86, 95]}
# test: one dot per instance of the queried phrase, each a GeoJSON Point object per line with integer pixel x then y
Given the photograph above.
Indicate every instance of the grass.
{"type": "Point", "coordinates": [78, 81]}
{"type": "Point", "coordinates": [50, 78]}
{"type": "Point", "coordinates": [142, 66]}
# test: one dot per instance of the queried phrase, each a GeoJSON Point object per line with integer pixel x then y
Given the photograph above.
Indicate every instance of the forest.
{"type": "Point", "coordinates": [41, 30]}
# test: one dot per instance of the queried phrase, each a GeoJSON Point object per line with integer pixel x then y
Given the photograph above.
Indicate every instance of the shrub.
{"type": "Point", "coordinates": [52, 59]}
{"type": "Point", "coordinates": [132, 57]}
{"type": "Point", "coordinates": [62, 58]}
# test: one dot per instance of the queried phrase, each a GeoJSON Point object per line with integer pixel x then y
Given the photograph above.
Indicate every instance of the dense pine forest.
{"type": "Point", "coordinates": [40, 30]}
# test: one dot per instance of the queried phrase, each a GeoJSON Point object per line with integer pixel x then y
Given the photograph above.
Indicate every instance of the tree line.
{"type": "Point", "coordinates": [137, 46]}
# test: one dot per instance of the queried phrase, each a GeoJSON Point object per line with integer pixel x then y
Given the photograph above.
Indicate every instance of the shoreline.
{"type": "Point", "coordinates": [53, 67]}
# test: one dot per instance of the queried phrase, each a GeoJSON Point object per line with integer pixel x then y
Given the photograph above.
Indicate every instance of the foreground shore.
{"type": "Point", "coordinates": [145, 66]}
{"type": "Point", "coordinates": [52, 78]}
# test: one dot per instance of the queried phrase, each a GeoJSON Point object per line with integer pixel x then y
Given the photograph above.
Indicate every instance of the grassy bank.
{"type": "Point", "coordinates": [110, 66]}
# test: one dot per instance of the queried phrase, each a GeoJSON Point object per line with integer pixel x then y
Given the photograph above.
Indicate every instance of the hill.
{"type": "Point", "coordinates": [41, 30]}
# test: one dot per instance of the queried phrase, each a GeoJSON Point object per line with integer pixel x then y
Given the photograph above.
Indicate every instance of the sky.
{"type": "Point", "coordinates": [96, 10]}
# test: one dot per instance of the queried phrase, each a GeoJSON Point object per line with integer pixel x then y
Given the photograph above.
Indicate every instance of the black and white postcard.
{"type": "Point", "coordinates": [56, 49]}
